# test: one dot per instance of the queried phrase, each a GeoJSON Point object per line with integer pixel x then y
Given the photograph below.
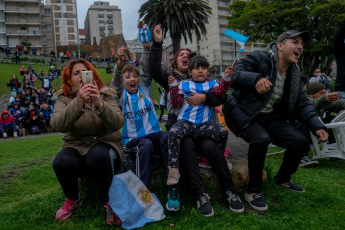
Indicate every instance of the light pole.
{"type": "Point", "coordinates": [76, 14]}
{"type": "Point", "coordinates": [106, 22]}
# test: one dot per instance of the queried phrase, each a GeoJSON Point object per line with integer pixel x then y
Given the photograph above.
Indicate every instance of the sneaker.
{"type": "Point", "coordinates": [203, 162]}
{"type": "Point", "coordinates": [235, 202]}
{"type": "Point", "coordinates": [291, 186]}
{"type": "Point", "coordinates": [4, 135]}
{"type": "Point", "coordinates": [66, 210]}
{"type": "Point", "coordinates": [173, 176]}
{"type": "Point", "coordinates": [204, 206]}
{"type": "Point", "coordinates": [15, 134]}
{"type": "Point", "coordinates": [173, 203]}
{"type": "Point", "coordinates": [255, 201]}
{"type": "Point", "coordinates": [306, 162]}
{"type": "Point", "coordinates": [112, 218]}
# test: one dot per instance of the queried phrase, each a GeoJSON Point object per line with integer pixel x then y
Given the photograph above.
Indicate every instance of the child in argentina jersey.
{"type": "Point", "coordinates": [194, 120]}
{"type": "Point", "coordinates": [141, 129]}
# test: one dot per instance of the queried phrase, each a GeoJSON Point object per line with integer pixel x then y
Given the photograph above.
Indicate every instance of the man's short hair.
{"type": "Point", "coordinates": [292, 34]}
{"type": "Point", "coordinates": [130, 68]}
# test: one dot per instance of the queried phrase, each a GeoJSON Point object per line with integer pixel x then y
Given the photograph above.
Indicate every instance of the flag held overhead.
{"type": "Point", "coordinates": [239, 38]}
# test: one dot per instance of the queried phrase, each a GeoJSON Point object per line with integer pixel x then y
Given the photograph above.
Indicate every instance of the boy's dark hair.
{"type": "Point", "coordinates": [44, 102]}
{"type": "Point", "coordinates": [197, 60]}
{"type": "Point", "coordinates": [130, 68]}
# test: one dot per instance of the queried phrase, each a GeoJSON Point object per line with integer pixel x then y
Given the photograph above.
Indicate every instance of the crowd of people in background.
{"type": "Point", "coordinates": [31, 102]}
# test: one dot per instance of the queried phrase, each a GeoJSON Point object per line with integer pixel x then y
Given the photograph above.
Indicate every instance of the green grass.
{"type": "Point", "coordinates": [30, 195]}
{"type": "Point", "coordinates": [7, 70]}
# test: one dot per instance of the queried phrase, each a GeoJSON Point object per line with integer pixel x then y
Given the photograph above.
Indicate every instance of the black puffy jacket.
{"type": "Point", "coordinates": [245, 103]}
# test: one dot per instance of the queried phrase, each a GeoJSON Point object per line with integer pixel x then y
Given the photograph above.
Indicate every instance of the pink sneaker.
{"type": "Point", "coordinates": [66, 210]}
{"type": "Point", "coordinates": [112, 218]}
{"type": "Point", "coordinates": [203, 162]}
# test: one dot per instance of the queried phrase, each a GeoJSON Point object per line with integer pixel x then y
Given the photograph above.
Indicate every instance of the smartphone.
{"type": "Point", "coordinates": [87, 77]}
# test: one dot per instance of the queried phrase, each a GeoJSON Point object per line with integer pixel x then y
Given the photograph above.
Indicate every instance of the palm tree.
{"type": "Point", "coordinates": [180, 17]}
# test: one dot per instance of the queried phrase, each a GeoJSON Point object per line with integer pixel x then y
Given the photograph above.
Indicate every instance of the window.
{"type": "Point", "coordinates": [110, 32]}
{"type": "Point", "coordinates": [59, 15]}
{"type": "Point", "coordinates": [59, 8]}
{"type": "Point", "coordinates": [47, 11]}
{"type": "Point", "coordinates": [65, 15]}
{"type": "Point", "coordinates": [23, 28]}
{"type": "Point", "coordinates": [223, 12]}
{"type": "Point", "coordinates": [21, 6]}
{"type": "Point", "coordinates": [22, 17]}
{"type": "Point", "coordinates": [48, 27]}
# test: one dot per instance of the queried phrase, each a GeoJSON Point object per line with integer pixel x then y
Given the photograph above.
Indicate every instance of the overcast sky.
{"type": "Point", "coordinates": [129, 11]}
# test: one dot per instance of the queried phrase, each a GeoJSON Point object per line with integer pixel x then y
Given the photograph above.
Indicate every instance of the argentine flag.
{"type": "Point", "coordinates": [134, 204]}
{"type": "Point", "coordinates": [239, 38]}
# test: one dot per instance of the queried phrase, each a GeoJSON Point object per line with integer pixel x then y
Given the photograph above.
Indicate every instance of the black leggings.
{"type": "Point", "coordinates": [100, 162]}
{"type": "Point", "coordinates": [214, 154]}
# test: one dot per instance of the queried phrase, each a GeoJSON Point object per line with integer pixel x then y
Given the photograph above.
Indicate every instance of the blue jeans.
{"type": "Point", "coordinates": [152, 144]}
{"type": "Point", "coordinates": [9, 129]}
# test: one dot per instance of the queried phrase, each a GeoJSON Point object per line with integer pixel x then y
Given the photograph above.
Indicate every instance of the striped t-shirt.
{"type": "Point", "coordinates": [277, 93]}
{"type": "Point", "coordinates": [197, 114]}
{"type": "Point", "coordinates": [141, 118]}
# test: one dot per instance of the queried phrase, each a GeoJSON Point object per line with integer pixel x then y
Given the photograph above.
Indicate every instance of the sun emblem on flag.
{"type": "Point", "coordinates": [145, 197]}
{"type": "Point", "coordinates": [141, 95]}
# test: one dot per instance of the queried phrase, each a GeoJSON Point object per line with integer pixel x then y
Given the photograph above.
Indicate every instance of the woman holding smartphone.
{"type": "Point", "coordinates": [90, 118]}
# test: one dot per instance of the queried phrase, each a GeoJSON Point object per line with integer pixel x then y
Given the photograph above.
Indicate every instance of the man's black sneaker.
{"type": "Point", "coordinates": [255, 200]}
{"type": "Point", "coordinates": [235, 202]}
{"type": "Point", "coordinates": [291, 186]}
{"type": "Point", "coordinates": [204, 206]}
{"type": "Point", "coordinates": [306, 162]}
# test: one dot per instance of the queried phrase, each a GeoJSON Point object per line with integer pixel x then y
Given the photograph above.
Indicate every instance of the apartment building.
{"type": "Point", "coordinates": [218, 48]}
{"type": "Point", "coordinates": [2, 24]}
{"type": "Point", "coordinates": [102, 20]}
{"type": "Point", "coordinates": [65, 21]}
{"type": "Point", "coordinates": [25, 21]}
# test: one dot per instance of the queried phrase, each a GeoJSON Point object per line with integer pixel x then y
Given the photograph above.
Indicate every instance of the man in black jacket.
{"type": "Point", "coordinates": [268, 97]}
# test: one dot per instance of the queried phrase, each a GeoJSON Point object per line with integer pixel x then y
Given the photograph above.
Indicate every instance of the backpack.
{"type": "Point", "coordinates": [35, 129]}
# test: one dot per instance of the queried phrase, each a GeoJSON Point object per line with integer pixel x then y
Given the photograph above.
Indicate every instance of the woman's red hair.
{"type": "Point", "coordinates": [67, 74]}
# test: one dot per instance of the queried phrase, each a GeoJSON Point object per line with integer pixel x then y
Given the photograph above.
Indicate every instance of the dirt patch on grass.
{"type": "Point", "coordinates": [7, 176]}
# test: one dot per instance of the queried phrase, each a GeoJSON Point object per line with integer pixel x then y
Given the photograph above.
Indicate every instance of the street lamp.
{"type": "Point", "coordinates": [103, 40]}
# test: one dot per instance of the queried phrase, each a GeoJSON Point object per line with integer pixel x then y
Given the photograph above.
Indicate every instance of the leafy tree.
{"type": "Point", "coordinates": [265, 20]}
{"type": "Point", "coordinates": [180, 17]}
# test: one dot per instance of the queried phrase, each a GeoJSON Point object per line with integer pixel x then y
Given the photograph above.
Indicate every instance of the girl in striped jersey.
{"type": "Point", "coordinates": [142, 128]}
{"type": "Point", "coordinates": [194, 121]}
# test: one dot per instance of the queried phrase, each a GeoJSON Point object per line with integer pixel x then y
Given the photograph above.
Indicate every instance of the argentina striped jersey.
{"type": "Point", "coordinates": [195, 114]}
{"type": "Point", "coordinates": [141, 118]}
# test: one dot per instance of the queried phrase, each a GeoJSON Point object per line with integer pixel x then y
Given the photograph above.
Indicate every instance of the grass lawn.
{"type": "Point", "coordinates": [30, 195]}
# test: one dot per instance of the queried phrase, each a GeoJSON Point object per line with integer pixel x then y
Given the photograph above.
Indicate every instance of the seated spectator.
{"type": "Point", "coordinates": [141, 129]}
{"type": "Point", "coordinates": [12, 99]}
{"type": "Point", "coordinates": [58, 72]}
{"type": "Point", "coordinates": [32, 78]}
{"type": "Point", "coordinates": [32, 117]}
{"type": "Point", "coordinates": [324, 105]}
{"type": "Point", "coordinates": [41, 74]}
{"type": "Point", "coordinates": [22, 70]}
{"type": "Point", "coordinates": [322, 78]}
{"type": "Point", "coordinates": [23, 101]}
{"type": "Point", "coordinates": [91, 120]}
{"type": "Point", "coordinates": [40, 96]}
{"type": "Point", "coordinates": [30, 69]}
{"type": "Point", "coordinates": [7, 125]}
{"type": "Point", "coordinates": [18, 115]}
{"type": "Point", "coordinates": [52, 96]}
{"type": "Point", "coordinates": [52, 71]}
{"type": "Point", "coordinates": [45, 113]}
{"type": "Point", "coordinates": [108, 69]}
{"type": "Point", "coordinates": [14, 83]}
{"type": "Point", "coordinates": [46, 81]}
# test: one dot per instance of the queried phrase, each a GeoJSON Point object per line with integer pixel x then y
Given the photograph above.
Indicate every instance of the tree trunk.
{"type": "Point", "coordinates": [176, 39]}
